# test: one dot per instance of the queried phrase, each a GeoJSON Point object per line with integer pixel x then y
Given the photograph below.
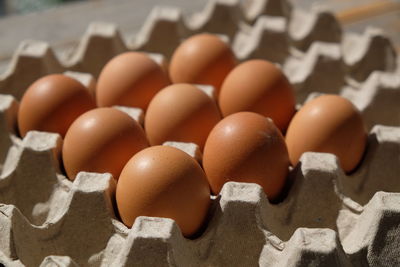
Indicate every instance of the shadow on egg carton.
{"type": "Point", "coordinates": [45, 216]}
{"type": "Point", "coordinates": [348, 219]}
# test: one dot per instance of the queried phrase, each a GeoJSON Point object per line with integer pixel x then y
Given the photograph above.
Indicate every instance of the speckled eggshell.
{"type": "Point", "coordinates": [330, 124]}
{"type": "Point", "coordinates": [258, 86]}
{"type": "Point", "coordinates": [246, 147]}
{"type": "Point", "coordinates": [163, 181]}
{"type": "Point", "coordinates": [52, 103]}
{"type": "Point", "coordinates": [202, 59]}
{"type": "Point", "coordinates": [130, 79]}
{"type": "Point", "coordinates": [101, 140]}
{"type": "Point", "coordinates": [183, 113]}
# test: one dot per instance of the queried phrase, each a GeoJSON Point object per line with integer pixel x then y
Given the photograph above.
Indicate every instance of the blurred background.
{"type": "Point", "coordinates": [8, 7]}
{"type": "Point", "coordinates": [62, 22]}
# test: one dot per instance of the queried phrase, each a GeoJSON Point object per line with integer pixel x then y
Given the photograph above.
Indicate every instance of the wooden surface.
{"type": "Point", "coordinates": [63, 26]}
{"type": "Point", "coordinates": [384, 14]}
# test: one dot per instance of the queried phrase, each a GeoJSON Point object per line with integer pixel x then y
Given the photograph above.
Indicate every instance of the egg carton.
{"type": "Point", "coordinates": [349, 220]}
{"type": "Point", "coordinates": [327, 218]}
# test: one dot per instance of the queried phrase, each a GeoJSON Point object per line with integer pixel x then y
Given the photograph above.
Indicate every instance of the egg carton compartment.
{"type": "Point", "coordinates": [46, 214]}
{"type": "Point", "coordinates": [327, 218]}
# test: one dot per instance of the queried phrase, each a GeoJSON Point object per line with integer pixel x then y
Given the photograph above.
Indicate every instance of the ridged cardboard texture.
{"type": "Point", "coordinates": [327, 218]}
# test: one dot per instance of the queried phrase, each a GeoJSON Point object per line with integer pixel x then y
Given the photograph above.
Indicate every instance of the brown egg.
{"type": "Point", "coordinates": [246, 147]}
{"type": "Point", "coordinates": [101, 140]}
{"type": "Point", "coordinates": [202, 59]}
{"type": "Point", "coordinates": [258, 86]}
{"type": "Point", "coordinates": [163, 181]}
{"type": "Point", "coordinates": [130, 79]}
{"type": "Point", "coordinates": [181, 112]}
{"type": "Point", "coordinates": [330, 124]}
{"type": "Point", "coordinates": [52, 103]}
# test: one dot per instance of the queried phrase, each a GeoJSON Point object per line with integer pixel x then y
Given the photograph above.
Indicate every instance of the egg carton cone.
{"type": "Point", "coordinates": [326, 218]}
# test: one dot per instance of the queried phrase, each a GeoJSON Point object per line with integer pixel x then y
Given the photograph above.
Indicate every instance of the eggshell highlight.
{"type": "Point", "coordinates": [163, 181]}
{"type": "Point", "coordinates": [330, 124]}
{"type": "Point", "coordinates": [52, 103]}
{"type": "Point", "coordinates": [130, 79]}
{"type": "Point", "coordinates": [101, 140]}
{"type": "Point", "coordinates": [258, 86]}
{"type": "Point", "coordinates": [246, 147]}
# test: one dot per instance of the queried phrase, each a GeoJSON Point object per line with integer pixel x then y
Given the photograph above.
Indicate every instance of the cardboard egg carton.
{"type": "Point", "coordinates": [327, 218]}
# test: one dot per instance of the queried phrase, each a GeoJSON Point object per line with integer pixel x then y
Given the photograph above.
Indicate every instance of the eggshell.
{"type": "Point", "coordinates": [203, 59]}
{"type": "Point", "coordinates": [181, 112]}
{"type": "Point", "coordinates": [163, 181]}
{"type": "Point", "coordinates": [130, 79]}
{"type": "Point", "coordinates": [101, 140]}
{"type": "Point", "coordinates": [246, 147]}
{"type": "Point", "coordinates": [52, 103]}
{"type": "Point", "coordinates": [330, 124]}
{"type": "Point", "coordinates": [258, 86]}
